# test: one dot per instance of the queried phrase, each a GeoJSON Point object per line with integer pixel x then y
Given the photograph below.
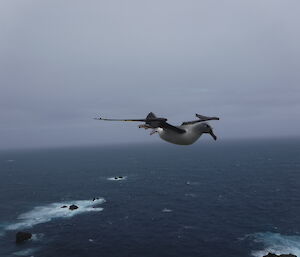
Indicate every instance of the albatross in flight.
{"type": "Point", "coordinates": [185, 134]}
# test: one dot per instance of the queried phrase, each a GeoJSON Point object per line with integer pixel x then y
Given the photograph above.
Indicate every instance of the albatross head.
{"type": "Point", "coordinates": [206, 128]}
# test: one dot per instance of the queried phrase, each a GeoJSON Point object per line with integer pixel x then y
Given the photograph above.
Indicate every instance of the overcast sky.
{"type": "Point", "coordinates": [64, 62]}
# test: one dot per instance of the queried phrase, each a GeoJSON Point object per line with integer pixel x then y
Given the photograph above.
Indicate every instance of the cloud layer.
{"type": "Point", "coordinates": [62, 63]}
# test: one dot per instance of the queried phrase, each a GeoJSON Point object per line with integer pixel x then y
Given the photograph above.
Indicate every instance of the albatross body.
{"type": "Point", "coordinates": [191, 135]}
{"type": "Point", "coordinates": [185, 134]}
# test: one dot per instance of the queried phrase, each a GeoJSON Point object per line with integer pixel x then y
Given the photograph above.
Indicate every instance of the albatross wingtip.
{"type": "Point", "coordinates": [202, 117]}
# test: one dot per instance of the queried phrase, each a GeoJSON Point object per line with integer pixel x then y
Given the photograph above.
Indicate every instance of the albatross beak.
{"type": "Point", "coordinates": [213, 135]}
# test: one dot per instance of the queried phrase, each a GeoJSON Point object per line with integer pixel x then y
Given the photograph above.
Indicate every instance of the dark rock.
{"type": "Point", "coordinates": [281, 255]}
{"type": "Point", "coordinates": [64, 206]}
{"type": "Point", "coordinates": [116, 177]}
{"type": "Point", "coordinates": [22, 236]}
{"type": "Point", "coordinates": [120, 177]}
{"type": "Point", "coordinates": [73, 207]}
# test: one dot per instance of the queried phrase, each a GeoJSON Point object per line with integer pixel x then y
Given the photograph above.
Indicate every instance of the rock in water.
{"type": "Point", "coordinates": [64, 206]}
{"type": "Point", "coordinates": [281, 255]}
{"type": "Point", "coordinates": [22, 236]}
{"type": "Point", "coordinates": [73, 207]}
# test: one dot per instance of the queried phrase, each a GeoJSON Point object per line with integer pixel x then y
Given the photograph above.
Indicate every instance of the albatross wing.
{"type": "Point", "coordinates": [201, 119]}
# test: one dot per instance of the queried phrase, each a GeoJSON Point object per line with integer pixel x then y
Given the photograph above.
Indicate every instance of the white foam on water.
{"type": "Point", "coordinates": [276, 243]}
{"type": "Point", "coordinates": [117, 178]}
{"type": "Point", "coordinates": [37, 237]}
{"type": "Point", "coordinates": [46, 213]}
{"type": "Point", "coordinates": [166, 210]}
{"type": "Point", "coordinates": [192, 183]}
{"type": "Point", "coordinates": [190, 195]}
{"type": "Point", "coordinates": [26, 252]}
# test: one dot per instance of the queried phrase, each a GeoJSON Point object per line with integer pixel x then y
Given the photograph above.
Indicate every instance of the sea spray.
{"type": "Point", "coordinates": [276, 243]}
{"type": "Point", "coordinates": [45, 213]}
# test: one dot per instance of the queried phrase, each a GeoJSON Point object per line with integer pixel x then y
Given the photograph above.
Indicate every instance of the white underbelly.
{"type": "Point", "coordinates": [179, 139]}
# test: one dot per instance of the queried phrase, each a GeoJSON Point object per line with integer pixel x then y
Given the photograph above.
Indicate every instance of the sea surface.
{"type": "Point", "coordinates": [211, 199]}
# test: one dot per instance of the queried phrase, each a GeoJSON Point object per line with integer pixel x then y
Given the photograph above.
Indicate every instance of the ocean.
{"type": "Point", "coordinates": [219, 199]}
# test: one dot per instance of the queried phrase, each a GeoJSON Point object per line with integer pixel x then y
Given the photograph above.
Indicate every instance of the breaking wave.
{"type": "Point", "coordinates": [26, 252]}
{"type": "Point", "coordinates": [117, 178]}
{"type": "Point", "coordinates": [192, 183]}
{"type": "Point", "coordinates": [45, 213]}
{"type": "Point", "coordinates": [37, 237]}
{"type": "Point", "coordinates": [276, 243]}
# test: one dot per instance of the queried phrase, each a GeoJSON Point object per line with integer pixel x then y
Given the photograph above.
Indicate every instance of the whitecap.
{"type": "Point", "coordinates": [45, 213]}
{"type": "Point", "coordinates": [117, 178]}
{"type": "Point", "coordinates": [37, 237]}
{"type": "Point", "coordinates": [166, 210]}
{"type": "Point", "coordinates": [190, 195]}
{"type": "Point", "coordinates": [192, 183]}
{"type": "Point", "coordinates": [26, 252]}
{"type": "Point", "coordinates": [277, 243]}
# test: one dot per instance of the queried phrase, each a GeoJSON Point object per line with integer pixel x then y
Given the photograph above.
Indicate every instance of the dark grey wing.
{"type": "Point", "coordinates": [205, 118]}
{"type": "Point", "coordinates": [201, 119]}
{"type": "Point", "coordinates": [151, 122]}
{"type": "Point", "coordinates": [151, 119]}
{"type": "Point", "coordinates": [143, 120]}
{"type": "Point", "coordinates": [166, 125]}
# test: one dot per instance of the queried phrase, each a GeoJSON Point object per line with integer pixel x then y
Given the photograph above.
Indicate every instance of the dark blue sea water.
{"type": "Point", "coordinates": [217, 199]}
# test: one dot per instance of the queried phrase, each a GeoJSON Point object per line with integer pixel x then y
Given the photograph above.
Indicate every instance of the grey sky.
{"type": "Point", "coordinates": [64, 62]}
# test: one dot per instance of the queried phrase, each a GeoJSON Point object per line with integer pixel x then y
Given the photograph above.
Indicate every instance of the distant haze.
{"type": "Point", "coordinates": [64, 62]}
